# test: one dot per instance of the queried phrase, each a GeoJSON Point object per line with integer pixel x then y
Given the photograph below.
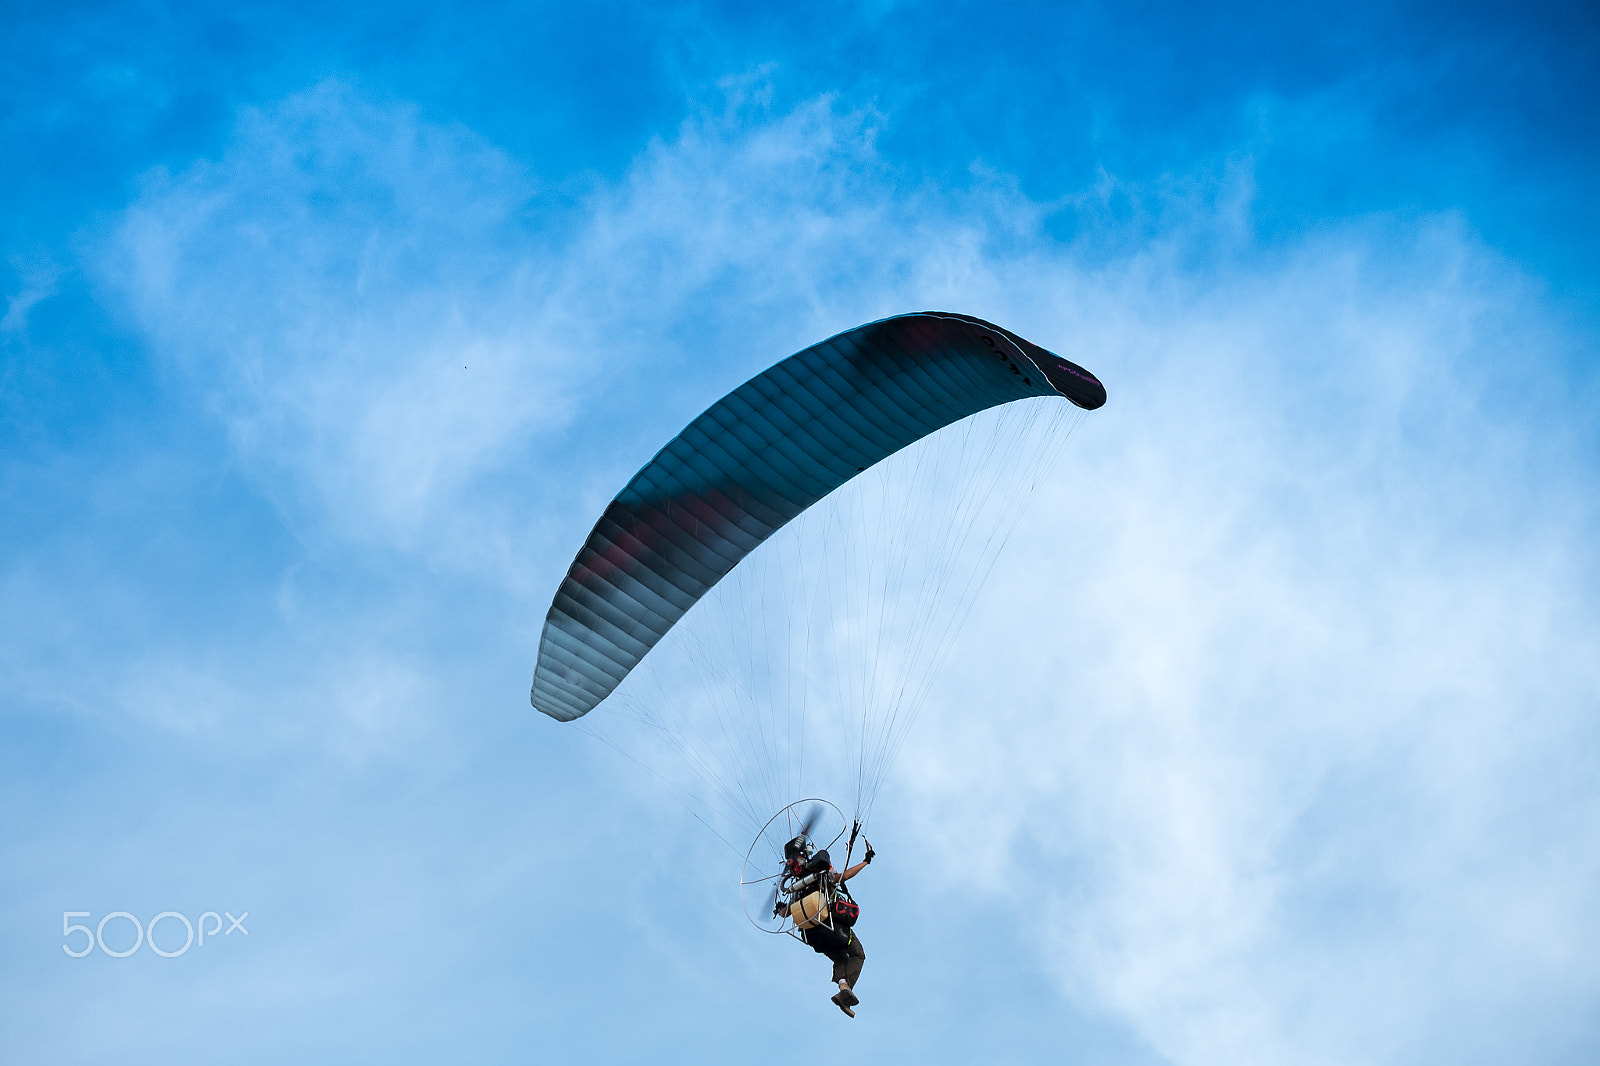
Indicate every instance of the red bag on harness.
{"type": "Point", "coordinates": [845, 912]}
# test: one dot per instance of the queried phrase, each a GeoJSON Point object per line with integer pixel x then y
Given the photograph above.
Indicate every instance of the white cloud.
{"type": "Point", "coordinates": [1294, 769]}
{"type": "Point", "coordinates": [347, 288]}
{"type": "Point", "coordinates": [40, 279]}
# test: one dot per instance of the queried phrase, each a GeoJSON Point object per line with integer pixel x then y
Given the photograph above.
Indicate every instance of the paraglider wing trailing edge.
{"type": "Point", "coordinates": [757, 458]}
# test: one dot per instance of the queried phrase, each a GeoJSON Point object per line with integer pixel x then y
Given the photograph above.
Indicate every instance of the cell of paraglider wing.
{"type": "Point", "coordinates": [756, 459]}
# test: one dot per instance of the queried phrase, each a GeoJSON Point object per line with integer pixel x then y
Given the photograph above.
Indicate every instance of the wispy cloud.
{"type": "Point", "coordinates": [1295, 767]}
{"type": "Point", "coordinates": [40, 279]}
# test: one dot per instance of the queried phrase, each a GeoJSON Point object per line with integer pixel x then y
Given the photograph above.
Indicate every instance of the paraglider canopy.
{"type": "Point", "coordinates": [755, 460]}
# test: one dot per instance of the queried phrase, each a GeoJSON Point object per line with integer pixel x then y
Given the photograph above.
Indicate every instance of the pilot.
{"type": "Point", "coordinates": [832, 933]}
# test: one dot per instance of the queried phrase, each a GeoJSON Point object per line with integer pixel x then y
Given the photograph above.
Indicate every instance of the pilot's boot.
{"type": "Point", "coordinates": [845, 999]}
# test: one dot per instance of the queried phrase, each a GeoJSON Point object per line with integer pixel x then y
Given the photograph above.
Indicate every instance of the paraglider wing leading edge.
{"type": "Point", "coordinates": [756, 459]}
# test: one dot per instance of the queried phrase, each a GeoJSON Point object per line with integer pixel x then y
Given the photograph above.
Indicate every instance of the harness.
{"type": "Point", "coordinates": [826, 928]}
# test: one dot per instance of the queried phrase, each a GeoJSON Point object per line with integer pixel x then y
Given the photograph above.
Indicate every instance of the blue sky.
{"type": "Point", "coordinates": [327, 333]}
